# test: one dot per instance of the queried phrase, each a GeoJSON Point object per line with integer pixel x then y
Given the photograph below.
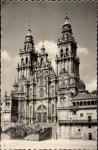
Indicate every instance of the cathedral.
{"type": "Point", "coordinates": [58, 99]}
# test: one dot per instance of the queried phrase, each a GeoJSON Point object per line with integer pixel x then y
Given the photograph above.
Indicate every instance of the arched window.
{"type": "Point", "coordinates": [61, 52]}
{"type": "Point", "coordinates": [27, 46]}
{"type": "Point", "coordinates": [85, 103]}
{"type": "Point", "coordinates": [77, 103]}
{"type": "Point", "coordinates": [81, 103]}
{"type": "Point", "coordinates": [73, 103]}
{"type": "Point", "coordinates": [52, 109]}
{"type": "Point", "coordinates": [26, 60]}
{"type": "Point", "coordinates": [61, 99]}
{"type": "Point", "coordinates": [64, 98]}
{"type": "Point", "coordinates": [41, 61]}
{"type": "Point", "coordinates": [88, 102]}
{"type": "Point", "coordinates": [22, 60]}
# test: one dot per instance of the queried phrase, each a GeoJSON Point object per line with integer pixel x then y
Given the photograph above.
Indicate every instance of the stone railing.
{"type": "Point", "coordinates": [77, 121]}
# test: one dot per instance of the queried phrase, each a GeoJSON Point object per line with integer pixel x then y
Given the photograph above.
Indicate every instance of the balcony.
{"type": "Point", "coordinates": [93, 121]}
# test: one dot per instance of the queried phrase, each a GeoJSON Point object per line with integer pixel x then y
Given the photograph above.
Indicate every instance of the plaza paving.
{"type": "Point", "coordinates": [49, 144]}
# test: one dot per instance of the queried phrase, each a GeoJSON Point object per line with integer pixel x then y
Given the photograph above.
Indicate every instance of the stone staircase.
{"type": "Point", "coordinates": [40, 135]}
{"type": "Point", "coordinates": [17, 132]}
{"type": "Point", "coordinates": [45, 134]}
{"type": "Point", "coordinates": [29, 132]}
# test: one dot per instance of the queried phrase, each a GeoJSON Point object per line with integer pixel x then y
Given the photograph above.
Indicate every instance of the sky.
{"type": "Point", "coordinates": [46, 20]}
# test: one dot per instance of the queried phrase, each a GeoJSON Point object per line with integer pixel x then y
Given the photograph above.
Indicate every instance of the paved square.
{"type": "Point", "coordinates": [49, 144]}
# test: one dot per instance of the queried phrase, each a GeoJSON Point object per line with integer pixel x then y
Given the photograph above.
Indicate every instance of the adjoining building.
{"type": "Point", "coordinates": [48, 98]}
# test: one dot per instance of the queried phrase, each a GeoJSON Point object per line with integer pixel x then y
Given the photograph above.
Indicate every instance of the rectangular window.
{"type": "Point", "coordinates": [89, 118]}
{"type": "Point", "coordinates": [89, 126]}
{"type": "Point", "coordinates": [90, 136]}
{"type": "Point", "coordinates": [7, 103]}
{"type": "Point", "coordinates": [81, 114]}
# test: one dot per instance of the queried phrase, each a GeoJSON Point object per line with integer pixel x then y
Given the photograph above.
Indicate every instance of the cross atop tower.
{"type": "Point", "coordinates": [66, 19]}
{"type": "Point", "coordinates": [43, 48]}
{"type": "Point", "coordinates": [43, 43]}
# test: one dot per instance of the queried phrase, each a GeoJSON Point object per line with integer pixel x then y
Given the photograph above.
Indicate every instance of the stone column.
{"type": "Point", "coordinates": [19, 112]}
{"type": "Point", "coordinates": [67, 65]}
{"type": "Point", "coordinates": [18, 75]}
{"type": "Point", "coordinates": [33, 112]}
{"type": "Point", "coordinates": [63, 64]}
{"type": "Point", "coordinates": [26, 72]}
{"type": "Point", "coordinates": [70, 67]}
{"type": "Point", "coordinates": [77, 69]}
{"type": "Point", "coordinates": [32, 115]}
{"type": "Point", "coordinates": [57, 67]}
{"type": "Point", "coordinates": [58, 131]}
{"type": "Point", "coordinates": [25, 110]}
{"type": "Point", "coordinates": [60, 67]}
{"type": "Point", "coordinates": [55, 109]}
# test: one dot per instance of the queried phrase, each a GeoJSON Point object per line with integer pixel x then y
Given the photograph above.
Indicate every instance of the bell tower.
{"type": "Point", "coordinates": [67, 60]}
{"type": "Point", "coordinates": [28, 57]}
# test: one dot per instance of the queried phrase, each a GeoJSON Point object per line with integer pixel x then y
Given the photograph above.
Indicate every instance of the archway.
{"type": "Point", "coordinates": [42, 114]}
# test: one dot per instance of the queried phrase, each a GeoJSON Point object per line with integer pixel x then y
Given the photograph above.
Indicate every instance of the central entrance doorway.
{"type": "Point", "coordinates": [42, 114]}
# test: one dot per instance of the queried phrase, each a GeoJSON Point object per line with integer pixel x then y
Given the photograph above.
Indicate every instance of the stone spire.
{"type": "Point", "coordinates": [66, 38]}
{"type": "Point", "coordinates": [29, 37]}
{"type": "Point", "coordinates": [28, 56]}
{"type": "Point", "coordinates": [29, 28]}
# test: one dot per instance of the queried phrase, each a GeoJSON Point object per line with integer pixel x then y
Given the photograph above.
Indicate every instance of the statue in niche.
{"type": "Point", "coordinates": [63, 81]}
{"type": "Point", "coordinates": [41, 92]}
{"type": "Point", "coordinates": [41, 80]}
{"type": "Point", "coordinates": [67, 51]}
{"type": "Point", "coordinates": [42, 62]}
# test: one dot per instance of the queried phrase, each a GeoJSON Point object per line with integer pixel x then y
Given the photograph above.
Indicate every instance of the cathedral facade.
{"type": "Point", "coordinates": [58, 98]}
